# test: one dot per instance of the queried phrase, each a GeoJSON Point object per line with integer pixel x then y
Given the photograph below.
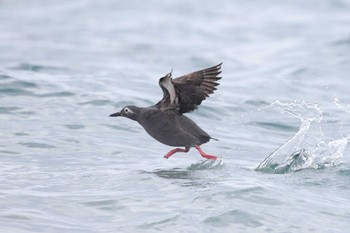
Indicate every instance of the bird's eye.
{"type": "Point", "coordinates": [126, 110]}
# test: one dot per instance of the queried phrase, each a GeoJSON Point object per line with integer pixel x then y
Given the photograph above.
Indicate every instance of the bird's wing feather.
{"type": "Point", "coordinates": [195, 87]}
{"type": "Point", "coordinates": [170, 97]}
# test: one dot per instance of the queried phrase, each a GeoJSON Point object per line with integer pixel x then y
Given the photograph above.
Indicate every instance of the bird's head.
{"type": "Point", "coordinates": [130, 112]}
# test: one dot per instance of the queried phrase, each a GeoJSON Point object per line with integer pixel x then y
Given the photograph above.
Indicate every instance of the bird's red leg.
{"type": "Point", "coordinates": [170, 153]}
{"type": "Point", "coordinates": [204, 154]}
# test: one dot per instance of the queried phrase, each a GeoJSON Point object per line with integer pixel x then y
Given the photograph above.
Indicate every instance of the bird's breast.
{"type": "Point", "coordinates": [163, 126]}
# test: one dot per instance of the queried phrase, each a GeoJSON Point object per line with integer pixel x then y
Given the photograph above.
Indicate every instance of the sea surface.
{"type": "Point", "coordinates": [281, 114]}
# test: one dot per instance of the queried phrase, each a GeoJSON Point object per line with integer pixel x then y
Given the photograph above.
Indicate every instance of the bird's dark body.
{"type": "Point", "coordinates": [176, 131]}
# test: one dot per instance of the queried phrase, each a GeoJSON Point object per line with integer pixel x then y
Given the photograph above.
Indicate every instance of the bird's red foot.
{"type": "Point", "coordinates": [204, 155]}
{"type": "Point", "coordinates": [170, 153]}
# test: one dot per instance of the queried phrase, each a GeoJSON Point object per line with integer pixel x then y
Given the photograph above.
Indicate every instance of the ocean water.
{"type": "Point", "coordinates": [281, 114]}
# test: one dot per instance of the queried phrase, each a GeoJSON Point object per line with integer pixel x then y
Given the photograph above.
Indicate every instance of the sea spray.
{"type": "Point", "coordinates": [307, 148]}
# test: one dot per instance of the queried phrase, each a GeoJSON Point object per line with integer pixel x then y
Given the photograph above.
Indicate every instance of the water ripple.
{"type": "Point", "coordinates": [8, 110]}
{"type": "Point", "coordinates": [35, 67]}
{"type": "Point", "coordinates": [233, 217]}
{"type": "Point", "coordinates": [37, 145]}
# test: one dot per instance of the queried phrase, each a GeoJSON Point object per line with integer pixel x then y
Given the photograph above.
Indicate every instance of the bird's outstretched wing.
{"type": "Point", "coordinates": [185, 93]}
{"type": "Point", "coordinates": [193, 88]}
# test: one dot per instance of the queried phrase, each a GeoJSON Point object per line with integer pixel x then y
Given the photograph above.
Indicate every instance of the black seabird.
{"type": "Point", "coordinates": [166, 122]}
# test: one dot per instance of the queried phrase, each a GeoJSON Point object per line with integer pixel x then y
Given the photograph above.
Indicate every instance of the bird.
{"type": "Point", "coordinates": [165, 121]}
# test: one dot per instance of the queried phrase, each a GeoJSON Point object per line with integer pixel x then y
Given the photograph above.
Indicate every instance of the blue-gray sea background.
{"type": "Point", "coordinates": [65, 166]}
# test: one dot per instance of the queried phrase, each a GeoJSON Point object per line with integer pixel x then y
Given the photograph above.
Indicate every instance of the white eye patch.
{"type": "Point", "coordinates": [127, 110]}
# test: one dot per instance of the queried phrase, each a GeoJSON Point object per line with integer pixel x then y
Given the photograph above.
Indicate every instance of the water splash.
{"type": "Point", "coordinates": [306, 149]}
{"type": "Point", "coordinates": [207, 164]}
{"type": "Point", "coordinates": [344, 107]}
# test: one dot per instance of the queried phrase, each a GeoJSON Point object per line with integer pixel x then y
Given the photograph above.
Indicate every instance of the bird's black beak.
{"type": "Point", "coordinates": [115, 114]}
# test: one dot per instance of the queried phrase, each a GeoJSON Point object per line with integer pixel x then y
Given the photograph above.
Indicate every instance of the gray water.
{"type": "Point", "coordinates": [281, 114]}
